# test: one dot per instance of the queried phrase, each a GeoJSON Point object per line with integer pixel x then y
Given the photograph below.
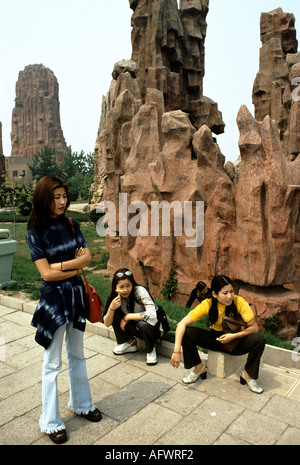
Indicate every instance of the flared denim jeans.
{"type": "Point", "coordinates": [80, 394]}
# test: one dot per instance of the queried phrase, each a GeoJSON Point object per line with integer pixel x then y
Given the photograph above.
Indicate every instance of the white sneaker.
{"type": "Point", "coordinates": [151, 357]}
{"type": "Point", "coordinates": [125, 348]}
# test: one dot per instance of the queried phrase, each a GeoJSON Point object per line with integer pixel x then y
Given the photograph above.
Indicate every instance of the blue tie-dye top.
{"type": "Point", "coordinates": [61, 301]}
{"type": "Point", "coordinates": [57, 243]}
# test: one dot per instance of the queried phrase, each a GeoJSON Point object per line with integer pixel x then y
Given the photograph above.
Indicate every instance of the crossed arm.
{"type": "Point", "coordinates": [64, 270]}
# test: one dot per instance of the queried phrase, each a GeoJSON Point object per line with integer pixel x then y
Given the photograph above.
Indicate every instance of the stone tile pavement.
{"type": "Point", "coordinates": [141, 405]}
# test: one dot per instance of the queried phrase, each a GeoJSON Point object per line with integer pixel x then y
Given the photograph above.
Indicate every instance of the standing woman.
{"type": "Point", "coordinates": [59, 255]}
{"type": "Point", "coordinates": [132, 313]}
{"type": "Point", "coordinates": [223, 302]}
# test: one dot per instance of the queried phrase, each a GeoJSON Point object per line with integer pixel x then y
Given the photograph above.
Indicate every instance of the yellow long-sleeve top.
{"type": "Point", "coordinates": [202, 309]}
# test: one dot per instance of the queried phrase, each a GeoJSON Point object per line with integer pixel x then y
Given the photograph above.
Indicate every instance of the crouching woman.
{"type": "Point", "coordinates": [249, 341]}
{"type": "Point", "coordinates": [132, 313]}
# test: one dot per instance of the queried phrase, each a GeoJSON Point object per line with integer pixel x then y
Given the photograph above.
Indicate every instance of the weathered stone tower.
{"type": "Point", "coordinates": [36, 115]}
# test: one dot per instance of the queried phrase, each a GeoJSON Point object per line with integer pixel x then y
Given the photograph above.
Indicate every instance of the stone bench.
{"type": "Point", "coordinates": [223, 365]}
{"type": "Point", "coordinates": [218, 364]}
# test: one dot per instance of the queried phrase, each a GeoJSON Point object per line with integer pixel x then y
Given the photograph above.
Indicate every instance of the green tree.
{"type": "Point", "coordinates": [25, 199]}
{"type": "Point", "coordinates": [78, 172]}
{"type": "Point", "coordinates": [68, 166]}
{"type": "Point", "coordinates": [90, 163]}
{"type": "Point", "coordinates": [8, 195]}
{"type": "Point", "coordinates": [44, 164]}
{"type": "Point", "coordinates": [79, 186]}
{"type": "Point", "coordinates": [74, 163]}
{"type": "Point", "coordinates": [77, 169]}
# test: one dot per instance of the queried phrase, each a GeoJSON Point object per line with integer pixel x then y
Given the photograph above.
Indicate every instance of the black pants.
{"type": "Point", "coordinates": [140, 329]}
{"type": "Point", "coordinates": [253, 345]}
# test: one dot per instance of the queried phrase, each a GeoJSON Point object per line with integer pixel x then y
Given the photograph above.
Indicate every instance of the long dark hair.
{"type": "Point", "coordinates": [43, 201]}
{"type": "Point", "coordinates": [217, 284]}
{"type": "Point", "coordinates": [114, 283]}
{"type": "Point", "coordinates": [200, 286]}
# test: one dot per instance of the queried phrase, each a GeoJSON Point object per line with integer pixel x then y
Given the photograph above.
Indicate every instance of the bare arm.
{"type": "Point", "coordinates": [180, 330]}
{"type": "Point", "coordinates": [64, 270]}
{"type": "Point", "coordinates": [251, 328]}
{"type": "Point", "coordinates": [82, 258]}
{"type": "Point", "coordinates": [109, 316]}
{"type": "Point", "coordinates": [130, 317]}
{"type": "Point", "coordinates": [49, 274]}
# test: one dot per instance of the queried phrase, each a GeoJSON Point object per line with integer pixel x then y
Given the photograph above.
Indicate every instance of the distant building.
{"type": "Point", "coordinates": [17, 171]}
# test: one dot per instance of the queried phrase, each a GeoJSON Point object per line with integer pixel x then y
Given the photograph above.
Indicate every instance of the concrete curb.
{"type": "Point", "coordinates": [272, 355]}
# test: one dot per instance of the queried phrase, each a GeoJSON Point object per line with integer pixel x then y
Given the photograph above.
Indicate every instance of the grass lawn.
{"type": "Point", "coordinates": [28, 278]}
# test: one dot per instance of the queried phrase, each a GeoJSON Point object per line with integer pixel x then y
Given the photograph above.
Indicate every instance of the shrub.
{"type": "Point", "coordinates": [271, 324]}
{"type": "Point", "coordinates": [94, 216]}
{"type": "Point", "coordinates": [171, 284]}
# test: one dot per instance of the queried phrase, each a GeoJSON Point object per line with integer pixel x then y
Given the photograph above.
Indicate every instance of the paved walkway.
{"type": "Point", "coordinates": [141, 405]}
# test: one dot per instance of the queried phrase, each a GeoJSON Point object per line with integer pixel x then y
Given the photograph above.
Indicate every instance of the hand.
{"type": "Point", "coordinates": [115, 303]}
{"type": "Point", "coordinates": [79, 252]}
{"type": "Point", "coordinates": [225, 338]}
{"type": "Point", "coordinates": [123, 323]}
{"type": "Point", "coordinates": [175, 359]}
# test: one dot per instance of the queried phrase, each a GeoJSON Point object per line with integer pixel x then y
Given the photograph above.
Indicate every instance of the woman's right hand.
{"type": "Point", "coordinates": [175, 359]}
{"type": "Point", "coordinates": [115, 303]}
{"type": "Point", "coordinates": [109, 316]}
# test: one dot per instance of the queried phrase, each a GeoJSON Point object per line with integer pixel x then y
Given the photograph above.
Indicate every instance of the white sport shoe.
{"type": "Point", "coordinates": [125, 348]}
{"type": "Point", "coordinates": [152, 357]}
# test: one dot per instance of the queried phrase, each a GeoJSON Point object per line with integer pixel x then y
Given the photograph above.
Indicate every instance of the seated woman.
{"type": "Point", "coordinates": [132, 313]}
{"type": "Point", "coordinates": [200, 292]}
{"type": "Point", "coordinates": [223, 302]}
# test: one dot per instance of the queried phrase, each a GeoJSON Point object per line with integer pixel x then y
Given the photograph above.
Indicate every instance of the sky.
{"type": "Point", "coordinates": [81, 40]}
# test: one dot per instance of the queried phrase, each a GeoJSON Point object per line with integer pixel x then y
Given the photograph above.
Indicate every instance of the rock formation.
{"type": "Point", "coordinates": [168, 46]}
{"type": "Point", "coordinates": [36, 115]}
{"type": "Point", "coordinates": [155, 151]}
{"type": "Point", "coordinates": [273, 86]}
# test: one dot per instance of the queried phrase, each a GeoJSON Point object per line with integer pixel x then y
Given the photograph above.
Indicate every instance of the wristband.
{"type": "Point", "coordinates": [176, 351]}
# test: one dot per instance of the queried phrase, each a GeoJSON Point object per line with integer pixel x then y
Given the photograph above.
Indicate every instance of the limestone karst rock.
{"type": "Point", "coordinates": [36, 115]}
{"type": "Point", "coordinates": [155, 145]}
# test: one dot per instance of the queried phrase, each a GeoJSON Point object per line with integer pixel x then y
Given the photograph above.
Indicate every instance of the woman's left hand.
{"type": "Point", "coordinates": [123, 323]}
{"type": "Point", "coordinates": [79, 252]}
{"type": "Point", "coordinates": [225, 338]}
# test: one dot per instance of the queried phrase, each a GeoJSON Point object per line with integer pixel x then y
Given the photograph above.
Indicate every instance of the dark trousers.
{"type": "Point", "coordinates": [140, 329]}
{"type": "Point", "coordinates": [253, 345]}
